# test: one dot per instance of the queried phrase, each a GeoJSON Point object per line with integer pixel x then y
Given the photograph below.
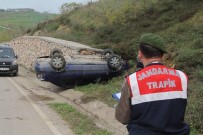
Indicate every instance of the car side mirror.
{"type": "Point", "coordinates": [16, 56]}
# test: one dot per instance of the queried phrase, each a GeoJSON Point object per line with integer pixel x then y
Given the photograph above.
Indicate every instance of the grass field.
{"type": "Point", "coordinates": [19, 22]}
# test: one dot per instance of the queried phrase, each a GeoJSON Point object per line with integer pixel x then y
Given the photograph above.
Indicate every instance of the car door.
{"type": "Point", "coordinates": [86, 71]}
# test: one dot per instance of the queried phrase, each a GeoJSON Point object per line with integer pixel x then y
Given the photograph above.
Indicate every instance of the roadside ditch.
{"type": "Point", "coordinates": [29, 48]}
{"type": "Point", "coordinates": [102, 114]}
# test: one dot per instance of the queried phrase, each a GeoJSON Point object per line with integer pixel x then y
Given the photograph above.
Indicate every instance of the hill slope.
{"type": "Point", "coordinates": [119, 23]}
{"type": "Point", "coordinates": [17, 22]}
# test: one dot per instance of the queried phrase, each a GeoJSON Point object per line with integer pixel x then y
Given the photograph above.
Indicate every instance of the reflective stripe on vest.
{"type": "Point", "coordinates": [156, 83]}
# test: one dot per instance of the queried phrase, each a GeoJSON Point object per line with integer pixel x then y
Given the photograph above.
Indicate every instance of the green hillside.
{"type": "Point", "coordinates": [19, 22]}
{"type": "Point", "coordinates": [119, 23]}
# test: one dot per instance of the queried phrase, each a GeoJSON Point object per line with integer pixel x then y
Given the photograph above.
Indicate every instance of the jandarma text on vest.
{"type": "Point", "coordinates": [156, 71]}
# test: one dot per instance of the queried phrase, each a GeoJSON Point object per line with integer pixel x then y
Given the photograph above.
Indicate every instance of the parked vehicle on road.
{"type": "Point", "coordinates": [8, 60]}
{"type": "Point", "coordinates": [65, 72]}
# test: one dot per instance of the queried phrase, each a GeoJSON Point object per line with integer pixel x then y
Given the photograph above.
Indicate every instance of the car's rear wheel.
{"type": "Point", "coordinates": [58, 62]}
{"type": "Point", "coordinates": [114, 62]}
{"type": "Point", "coordinates": [107, 53]}
{"type": "Point", "coordinates": [55, 51]}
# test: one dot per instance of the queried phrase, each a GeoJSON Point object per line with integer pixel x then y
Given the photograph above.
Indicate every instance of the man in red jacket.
{"type": "Point", "coordinates": [153, 100]}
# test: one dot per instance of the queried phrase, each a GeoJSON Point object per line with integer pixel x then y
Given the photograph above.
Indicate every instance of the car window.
{"type": "Point", "coordinates": [6, 53]}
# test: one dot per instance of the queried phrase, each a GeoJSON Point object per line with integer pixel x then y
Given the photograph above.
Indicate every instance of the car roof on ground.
{"type": "Point", "coordinates": [4, 46]}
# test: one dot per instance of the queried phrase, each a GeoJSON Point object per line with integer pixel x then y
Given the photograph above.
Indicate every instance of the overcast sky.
{"type": "Point", "coordinates": [51, 6]}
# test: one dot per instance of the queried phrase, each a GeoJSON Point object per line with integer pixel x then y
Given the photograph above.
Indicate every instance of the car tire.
{"type": "Point", "coordinates": [114, 62]}
{"type": "Point", "coordinates": [107, 53]}
{"type": "Point", "coordinates": [15, 74]}
{"type": "Point", "coordinates": [55, 51]}
{"type": "Point", "coordinates": [58, 62]}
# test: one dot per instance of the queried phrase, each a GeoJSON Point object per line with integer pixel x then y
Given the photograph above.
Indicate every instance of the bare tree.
{"type": "Point", "coordinates": [67, 7]}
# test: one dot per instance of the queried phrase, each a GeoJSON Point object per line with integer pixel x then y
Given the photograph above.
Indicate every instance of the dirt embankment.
{"type": "Point", "coordinates": [28, 48]}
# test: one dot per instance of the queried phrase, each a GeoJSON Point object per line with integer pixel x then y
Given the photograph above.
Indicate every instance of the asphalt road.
{"type": "Point", "coordinates": [19, 114]}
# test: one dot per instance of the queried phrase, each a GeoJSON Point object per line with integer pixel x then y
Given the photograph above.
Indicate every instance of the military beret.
{"type": "Point", "coordinates": [153, 40]}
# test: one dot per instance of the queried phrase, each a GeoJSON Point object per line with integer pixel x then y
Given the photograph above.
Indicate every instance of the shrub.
{"type": "Point", "coordinates": [200, 74]}
{"type": "Point", "coordinates": [194, 115]}
{"type": "Point", "coordinates": [40, 26]}
{"type": "Point", "coordinates": [189, 58]}
{"type": "Point", "coordinates": [28, 31]}
{"type": "Point", "coordinates": [127, 51]}
{"type": "Point", "coordinates": [186, 15]}
{"type": "Point", "coordinates": [52, 26]}
{"type": "Point", "coordinates": [64, 19]}
{"type": "Point", "coordinates": [77, 27]}
{"type": "Point", "coordinates": [198, 44]}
